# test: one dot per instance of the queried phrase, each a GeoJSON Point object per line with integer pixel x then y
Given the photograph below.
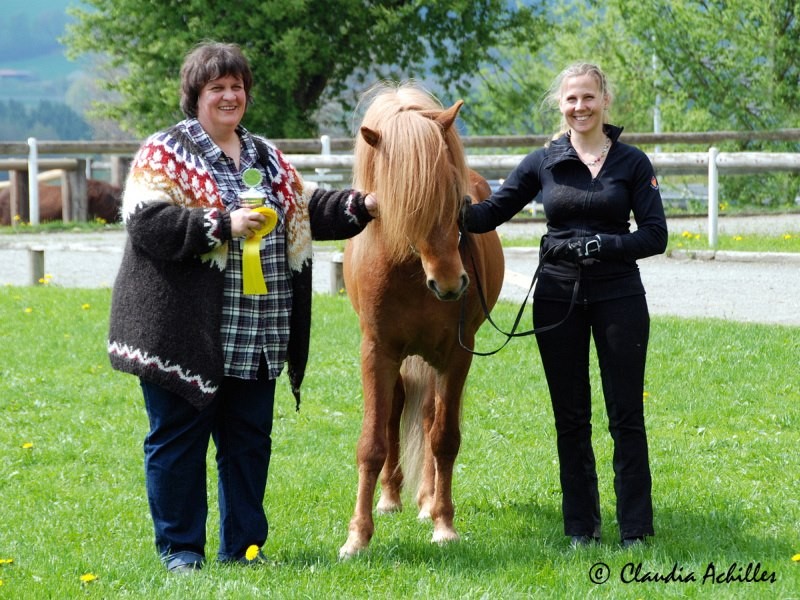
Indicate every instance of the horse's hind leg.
{"type": "Point", "coordinates": [427, 482]}
{"type": "Point", "coordinates": [392, 475]}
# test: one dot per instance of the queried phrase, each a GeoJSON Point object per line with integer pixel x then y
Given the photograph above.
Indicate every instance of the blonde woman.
{"type": "Point", "coordinates": [590, 185]}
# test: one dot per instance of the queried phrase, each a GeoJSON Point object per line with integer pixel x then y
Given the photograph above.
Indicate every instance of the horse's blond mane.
{"type": "Point", "coordinates": [418, 174]}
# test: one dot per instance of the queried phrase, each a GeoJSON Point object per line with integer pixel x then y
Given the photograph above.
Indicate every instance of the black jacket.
{"type": "Point", "coordinates": [577, 205]}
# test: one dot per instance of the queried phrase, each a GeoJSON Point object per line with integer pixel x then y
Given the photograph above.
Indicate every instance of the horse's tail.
{"type": "Point", "coordinates": [418, 381]}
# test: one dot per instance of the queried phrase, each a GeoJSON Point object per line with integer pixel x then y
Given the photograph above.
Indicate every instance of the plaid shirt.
{"type": "Point", "coordinates": [252, 326]}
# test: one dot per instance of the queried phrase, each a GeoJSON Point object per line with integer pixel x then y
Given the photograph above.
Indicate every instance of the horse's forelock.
{"type": "Point", "coordinates": [417, 174]}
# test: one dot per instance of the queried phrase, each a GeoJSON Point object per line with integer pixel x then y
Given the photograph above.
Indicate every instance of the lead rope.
{"type": "Point", "coordinates": [487, 313]}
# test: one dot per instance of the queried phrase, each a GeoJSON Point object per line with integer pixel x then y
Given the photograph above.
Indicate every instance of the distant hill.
{"type": "Point", "coordinates": [33, 65]}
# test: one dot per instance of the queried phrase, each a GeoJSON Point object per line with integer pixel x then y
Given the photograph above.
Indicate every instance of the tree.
{"type": "Point", "coordinates": [738, 59]}
{"type": "Point", "coordinates": [708, 64]}
{"type": "Point", "coordinates": [301, 52]}
{"type": "Point", "coordinates": [736, 65]}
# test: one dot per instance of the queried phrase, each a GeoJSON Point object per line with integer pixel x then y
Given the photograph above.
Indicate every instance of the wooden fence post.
{"type": "Point", "coordinates": [36, 260]}
{"type": "Point", "coordinates": [337, 277]}
{"type": "Point", "coordinates": [77, 197]}
{"type": "Point", "coordinates": [19, 201]}
{"type": "Point", "coordinates": [120, 165]}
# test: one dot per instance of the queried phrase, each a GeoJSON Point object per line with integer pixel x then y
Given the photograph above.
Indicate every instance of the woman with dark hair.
{"type": "Point", "coordinates": [207, 354]}
{"type": "Point", "coordinates": [589, 287]}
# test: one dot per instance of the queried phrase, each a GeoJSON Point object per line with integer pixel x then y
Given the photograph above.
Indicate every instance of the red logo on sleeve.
{"type": "Point", "coordinates": [654, 182]}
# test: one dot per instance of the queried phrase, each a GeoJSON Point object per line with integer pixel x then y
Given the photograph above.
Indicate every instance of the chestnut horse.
{"type": "Point", "coordinates": [103, 202]}
{"type": "Point", "coordinates": [405, 274]}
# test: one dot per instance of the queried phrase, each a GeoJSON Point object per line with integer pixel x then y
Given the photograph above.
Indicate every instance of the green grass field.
{"type": "Point", "coordinates": [723, 413]}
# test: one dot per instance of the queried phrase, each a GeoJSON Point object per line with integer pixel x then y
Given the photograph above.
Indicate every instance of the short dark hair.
{"type": "Point", "coordinates": [208, 61]}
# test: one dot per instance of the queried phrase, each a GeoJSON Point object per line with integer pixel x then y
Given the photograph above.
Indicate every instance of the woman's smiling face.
{"type": "Point", "coordinates": [221, 104]}
{"type": "Point", "coordinates": [582, 103]}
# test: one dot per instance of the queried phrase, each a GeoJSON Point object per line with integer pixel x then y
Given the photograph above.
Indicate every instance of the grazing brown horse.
{"type": "Point", "coordinates": [407, 275]}
{"type": "Point", "coordinates": [103, 202]}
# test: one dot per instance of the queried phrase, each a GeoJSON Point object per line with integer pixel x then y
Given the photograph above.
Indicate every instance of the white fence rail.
{"type": "Point", "coordinates": [316, 160]}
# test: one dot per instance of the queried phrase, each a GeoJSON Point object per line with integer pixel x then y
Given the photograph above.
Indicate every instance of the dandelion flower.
{"type": "Point", "coordinates": [796, 557]}
{"type": "Point", "coordinates": [737, 238]}
{"type": "Point", "coordinates": [28, 310]}
{"type": "Point", "coordinates": [86, 306]}
{"type": "Point", "coordinates": [645, 396]}
{"type": "Point", "coordinates": [6, 561]}
{"type": "Point", "coordinates": [27, 445]}
{"type": "Point", "coordinates": [88, 578]}
{"type": "Point", "coordinates": [252, 552]}
{"type": "Point", "coordinates": [787, 236]}
{"type": "Point", "coordinates": [686, 234]}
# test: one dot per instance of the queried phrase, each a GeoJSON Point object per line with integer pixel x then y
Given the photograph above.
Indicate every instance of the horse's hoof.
{"type": "Point", "coordinates": [386, 505]}
{"type": "Point", "coordinates": [347, 552]}
{"type": "Point", "coordinates": [424, 514]}
{"type": "Point", "coordinates": [444, 536]}
{"type": "Point", "coordinates": [351, 547]}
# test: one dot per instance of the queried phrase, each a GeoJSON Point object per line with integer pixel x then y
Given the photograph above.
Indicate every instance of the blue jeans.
{"type": "Point", "coordinates": [239, 420]}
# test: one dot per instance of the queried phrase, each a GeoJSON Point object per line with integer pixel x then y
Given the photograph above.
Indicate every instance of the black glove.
{"type": "Point", "coordinates": [582, 250]}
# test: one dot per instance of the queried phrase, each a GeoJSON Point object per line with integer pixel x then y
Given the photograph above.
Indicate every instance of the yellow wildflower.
{"type": "Point", "coordinates": [86, 306]}
{"type": "Point", "coordinates": [787, 236]}
{"type": "Point", "coordinates": [737, 238]}
{"type": "Point", "coordinates": [686, 234]}
{"type": "Point", "coordinates": [6, 561]}
{"type": "Point", "coordinates": [252, 552]}
{"type": "Point", "coordinates": [28, 310]}
{"type": "Point", "coordinates": [27, 445]}
{"type": "Point", "coordinates": [796, 557]}
{"type": "Point", "coordinates": [88, 578]}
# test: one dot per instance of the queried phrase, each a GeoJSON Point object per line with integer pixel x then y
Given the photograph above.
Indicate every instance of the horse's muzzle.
{"type": "Point", "coordinates": [451, 293]}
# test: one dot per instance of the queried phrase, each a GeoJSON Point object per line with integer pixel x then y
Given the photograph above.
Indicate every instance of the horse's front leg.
{"type": "Point", "coordinates": [445, 440]}
{"type": "Point", "coordinates": [378, 377]}
{"type": "Point", "coordinates": [392, 475]}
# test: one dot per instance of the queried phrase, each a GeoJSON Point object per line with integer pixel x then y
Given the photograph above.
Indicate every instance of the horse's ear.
{"type": "Point", "coordinates": [371, 136]}
{"type": "Point", "coordinates": [448, 117]}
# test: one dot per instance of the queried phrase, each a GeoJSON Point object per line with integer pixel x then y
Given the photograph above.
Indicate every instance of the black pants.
{"type": "Point", "coordinates": [621, 329]}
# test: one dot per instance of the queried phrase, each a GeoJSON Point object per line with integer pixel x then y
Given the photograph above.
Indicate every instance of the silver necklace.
{"type": "Point", "coordinates": [602, 154]}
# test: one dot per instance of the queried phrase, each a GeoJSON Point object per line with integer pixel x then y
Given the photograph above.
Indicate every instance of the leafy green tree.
{"type": "Point", "coordinates": [734, 64]}
{"type": "Point", "coordinates": [302, 52]}
{"type": "Point", "coordinates": [707, 64]}
{"type": "Point", "coordinates": [738, 59]}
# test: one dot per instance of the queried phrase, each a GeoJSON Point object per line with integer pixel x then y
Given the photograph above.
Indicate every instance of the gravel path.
{"type": "Point", "coordinates": [747, 287]}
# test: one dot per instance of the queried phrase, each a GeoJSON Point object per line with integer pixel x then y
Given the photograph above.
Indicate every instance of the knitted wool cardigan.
{"type": "Point", "coordinates": [167, 299]}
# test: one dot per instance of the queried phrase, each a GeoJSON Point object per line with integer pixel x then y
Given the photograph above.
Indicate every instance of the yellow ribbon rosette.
{"type": "Point", "coordinates": [252, 274]}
